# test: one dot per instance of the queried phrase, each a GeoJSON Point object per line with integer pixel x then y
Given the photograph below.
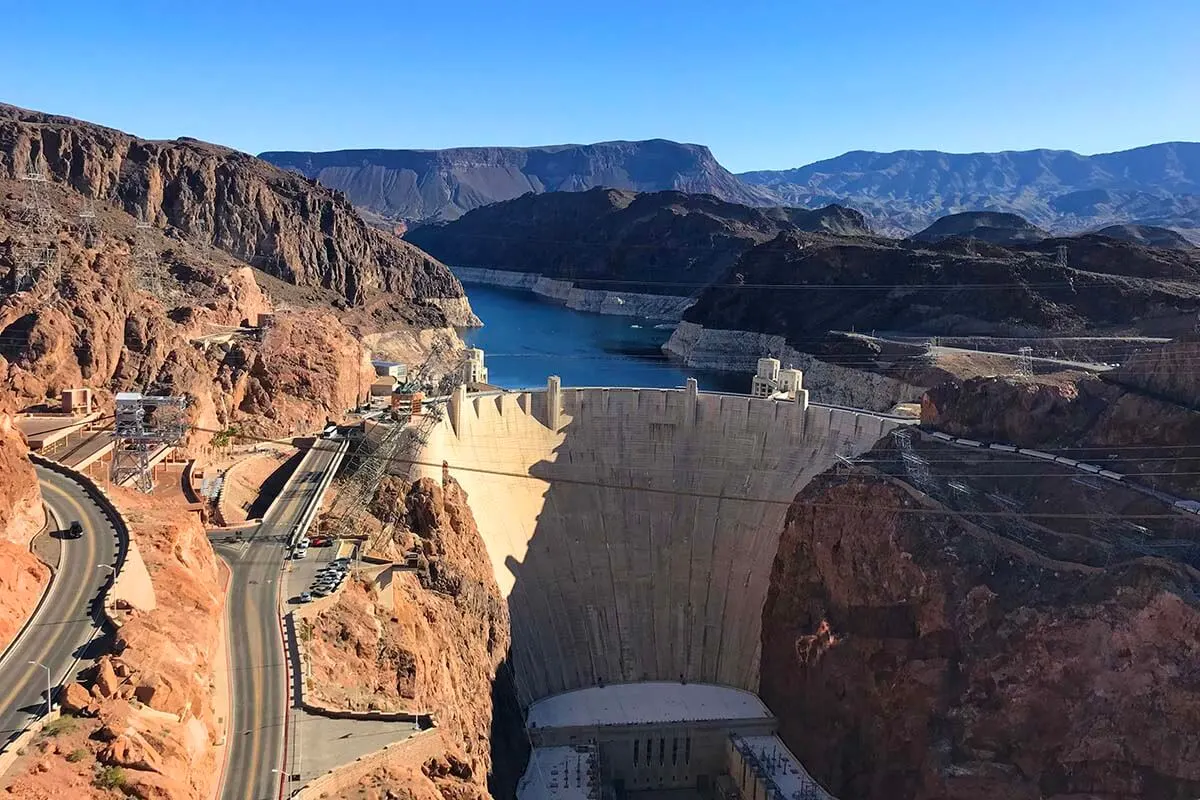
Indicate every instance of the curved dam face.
{"type": "Point", "coordinates": [632, 531]}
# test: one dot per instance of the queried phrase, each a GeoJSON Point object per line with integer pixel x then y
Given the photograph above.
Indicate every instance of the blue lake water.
{"type": "Point", "coordinates": [526, 339]}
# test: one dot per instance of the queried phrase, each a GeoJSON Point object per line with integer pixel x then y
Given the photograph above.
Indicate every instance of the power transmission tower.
{"type": "Point", "coordinates": [145, 259]}
{"type": "Point", "coordinates": [39, 258]}
{"type": "Point", "coordinates": [144, 424]}
{"type": "Point", "coordinates": [37, 206]}
{"type": "Point", "coordinates": [916, 468]}
{"type": "Point", "coordinates": [1060, 259]}
{"type": "Point", "coordinates": [1025, 362]}
{"type": "Point", "coordinates": [87, 219]}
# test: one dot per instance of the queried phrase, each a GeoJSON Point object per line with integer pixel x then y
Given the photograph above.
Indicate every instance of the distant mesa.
{"type": "Point", "coordinates": [987, 226]}
{"type": "Point", "coordinates": [1149, 235]}
{"type": "Point", "coordinates": [422, 186]}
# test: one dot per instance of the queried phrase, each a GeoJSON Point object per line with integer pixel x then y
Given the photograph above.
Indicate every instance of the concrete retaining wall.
{"type": "Point", "coordinates": [632, 531]}
{"type": "Point", "coordinates": [412, 752]}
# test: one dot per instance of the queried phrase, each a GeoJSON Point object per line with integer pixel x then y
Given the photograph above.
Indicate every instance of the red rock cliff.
{"type": "Point", "coordinates": [434, 645]}
{"type": "Point", "coordinates": [910, 653]}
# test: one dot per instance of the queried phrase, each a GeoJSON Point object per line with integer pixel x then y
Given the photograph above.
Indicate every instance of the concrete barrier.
{"type": "Point", "coordinates": [412, 752]}
{"type": "Point", "coordinates": [16, 747]}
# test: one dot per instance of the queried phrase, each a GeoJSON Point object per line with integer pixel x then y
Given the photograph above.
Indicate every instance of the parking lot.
{"type": "Point", "coordinates": [302, 571]}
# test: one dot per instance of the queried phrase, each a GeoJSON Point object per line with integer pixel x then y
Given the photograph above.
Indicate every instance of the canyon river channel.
{"type": "Point", "coordinates": [526, 338]}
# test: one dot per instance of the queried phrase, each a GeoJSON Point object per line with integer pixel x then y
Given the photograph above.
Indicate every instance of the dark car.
{"type": "Point", "coordinates": [74, 530]}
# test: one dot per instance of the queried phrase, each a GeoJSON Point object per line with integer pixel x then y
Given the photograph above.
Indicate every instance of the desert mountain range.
{"type": "Point", "coordinates": [900, 193]}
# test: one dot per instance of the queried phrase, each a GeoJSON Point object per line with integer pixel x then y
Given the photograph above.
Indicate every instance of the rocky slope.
{"type": "Point", "coordinates": [430, 641]}
{"type": "Point", "coordinates": [1087, 417]}
{"type": "Point", "coordinates": [912, 648]}
{"type": "Point", "coordinates": [97, 327]}
{"type": "Point", "coordinates": [22, 575]}
{"type": "Point", "coordinates": [148, 725]}
{"type": "Point", "coordinates": [437, 185]}
{"type": "Point", "coordinates": [1149, 235]}
{"type": "Point", "coordinates": [986, 226]}
{"type": "Point", "coordinates": [904, 191]}
{"type": "Point", "coordinates": [264, 216]}
{"type": "Point", "coordinates": [798, 287]}
{"type": "Point", "coordinates": [608, 240]}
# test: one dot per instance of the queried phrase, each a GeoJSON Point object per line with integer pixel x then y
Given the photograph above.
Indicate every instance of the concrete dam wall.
{"type": "Point", "coordinates": [632, 531]}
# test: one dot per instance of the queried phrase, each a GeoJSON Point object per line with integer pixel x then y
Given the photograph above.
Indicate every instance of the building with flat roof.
{"type": "Point", "coordinates": [653, 735]}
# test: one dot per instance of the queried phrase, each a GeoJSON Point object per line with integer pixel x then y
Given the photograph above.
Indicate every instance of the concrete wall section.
{"type": "Point", "coordinates": [633, 533]}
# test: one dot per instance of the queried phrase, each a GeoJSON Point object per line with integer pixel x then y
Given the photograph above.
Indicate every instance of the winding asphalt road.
{"type": "Point", "coordinates": [70, 615]}
{"type": "Point", "coordinates": [259, 677]}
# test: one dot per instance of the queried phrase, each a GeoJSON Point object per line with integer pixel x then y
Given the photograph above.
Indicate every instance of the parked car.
{"type": "Point", "coordinates": [306, 597]}
{"type": "Point", "coordinates": [74, 530]}
{"type": "Point", "coordinates": [321, 591]}
{"type": "Point", "coordinates": [300, 552]}
{"type": "Point", "coordinates": [321, 541]}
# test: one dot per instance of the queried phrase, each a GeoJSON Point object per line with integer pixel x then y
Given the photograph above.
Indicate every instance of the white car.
{"type": "Point", "coordinates": [306, 597]}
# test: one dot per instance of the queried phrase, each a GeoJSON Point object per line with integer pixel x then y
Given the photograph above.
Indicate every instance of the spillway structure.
{"type": "Point", "coordinates": [632, 534]}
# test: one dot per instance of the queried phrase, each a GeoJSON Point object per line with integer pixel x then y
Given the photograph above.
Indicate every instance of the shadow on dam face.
{"type": "Point", "coordinates": [632, 531]}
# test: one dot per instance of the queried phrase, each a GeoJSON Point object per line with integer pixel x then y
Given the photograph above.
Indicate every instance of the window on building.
{"type": "Point", "coordinates": [649, 751]}
{"type": "Point", "coordinates": [636, 743]}
{"type": "Point", "coordinates": [674, 750]}
{"type": "Point", "coordinates": [687, 750]}
{"type": "Point", "coordinates": [662, 750]}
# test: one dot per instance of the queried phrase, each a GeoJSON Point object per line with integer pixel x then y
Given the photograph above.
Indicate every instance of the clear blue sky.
{"type": "Point", "coordinates": [765, 84]}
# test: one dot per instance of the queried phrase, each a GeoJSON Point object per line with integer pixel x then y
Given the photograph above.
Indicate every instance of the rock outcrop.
{"type": "Point", "coordinates": [264, 216]}
{"type": "Point", "coordinates": [986, 226]}
{"type": "Point", "coordinates": [1080, 415]}
{"type": "Point", "coordinates": [1149, 235]}
{"type": "Point", "coordinates": [22, 575]}
{"type": "Point", "coordinates": [420, 186]}
{"type": "Point", "coordinates": [911, 651]}
{"type": "Point", "coordinates": [429, 641]}
{"type": "Point", "coordinates": [99, 329]}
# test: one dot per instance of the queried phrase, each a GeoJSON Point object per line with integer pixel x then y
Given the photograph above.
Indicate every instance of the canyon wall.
{"type": "Point", "coordinates": [631, 532]}
{"type": "Point", "coordinates": [908, 652]}
{"type": "Point", "coordinates": [274, 220]}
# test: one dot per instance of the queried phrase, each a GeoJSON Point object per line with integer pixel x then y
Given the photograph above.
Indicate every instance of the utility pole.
{"type": "Point", "coordinates": [144, 424]}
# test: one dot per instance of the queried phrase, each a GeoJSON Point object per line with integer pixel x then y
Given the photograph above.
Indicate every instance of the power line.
{"type": "Point", "coordinates": [562, 480]}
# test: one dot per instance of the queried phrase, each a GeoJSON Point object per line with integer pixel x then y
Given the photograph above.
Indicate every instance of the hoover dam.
{"type": "Point", "coordinates": [632, 533]}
